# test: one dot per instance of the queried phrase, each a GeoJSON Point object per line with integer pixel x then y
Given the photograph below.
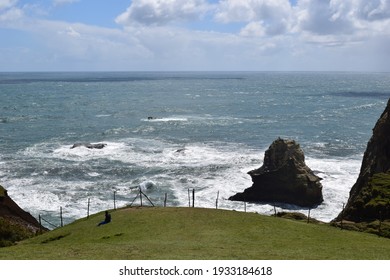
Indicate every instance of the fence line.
{"type": "Point", "coordinates": [42, 219]}
{"type": "Point", "coordinates": [141, 194]}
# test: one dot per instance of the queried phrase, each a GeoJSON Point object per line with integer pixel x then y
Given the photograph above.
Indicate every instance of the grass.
{"type": "Point", "coordinates": [197, 234]}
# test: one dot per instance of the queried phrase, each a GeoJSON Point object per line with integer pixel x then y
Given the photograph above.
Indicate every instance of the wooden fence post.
{"type": "Point", "coordinates": [62, 223]}
{"type": "Point", "coordinates": [134, 199]}
{"type": "Point", "coordinates": [40, 223]}
{"type": "Point", "coordinates": [88, 207]}
{"type": "Point", "coordinates": [189, 198]}
{"type": "Point", "coordinates": [216, 202]}
{"type": "Point", "coordinates": [275, 210]}
{"type": "Point", "coordinates": [193, 197]}
{"type": "Point", "coordinates": [140, 195]}
{"type": "Point", "coordinates": [245, 206]}
{"type": "Point", "coordinates": [114, 200]}
{"type": "Point", "coordinates": [165, 200]}
{"type": "Point", "coordinates": [308, 216]}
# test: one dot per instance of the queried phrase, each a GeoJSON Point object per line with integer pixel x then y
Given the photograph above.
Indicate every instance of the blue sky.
{"type": "Point", "coordinates": [175, 35]}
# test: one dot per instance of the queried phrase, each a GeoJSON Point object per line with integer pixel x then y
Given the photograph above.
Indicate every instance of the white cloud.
{"type": "Point", "coordinates": [275, 15]}
{"type": "Point", "coordinates": [7, 3]}
{"type": "Point", "coordinates": [11, 15]}
{"type": "Point", "coordinates": [70, 31]}
{"type": "Point", "coordinates": [374, 9]}
{"type": "Point", "coordinates": [267, 35]}
{"type": "Point", "coordinates": [324, 17]}
{"type": "Point", "coordinates": [79, 46]}
{"type": "Point", "coordinates": [253, 29]}
{"type": "Point", "coordinates": [158, 12]}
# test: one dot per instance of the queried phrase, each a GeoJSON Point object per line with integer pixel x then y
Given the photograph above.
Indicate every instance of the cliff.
{"type": "Point", "coordinates": [369, 197]}
{"type": "Point", "coordinates": [16, 224]}
{"type": "Point", "coordinates": [284, 177]}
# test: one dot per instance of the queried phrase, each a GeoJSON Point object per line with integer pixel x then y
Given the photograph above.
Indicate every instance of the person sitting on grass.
{"type": "Point", "coordinates": [107, 219]}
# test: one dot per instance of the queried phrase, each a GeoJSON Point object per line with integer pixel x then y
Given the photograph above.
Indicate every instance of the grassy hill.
{"type": "Point", "coordinates": [197, 233]}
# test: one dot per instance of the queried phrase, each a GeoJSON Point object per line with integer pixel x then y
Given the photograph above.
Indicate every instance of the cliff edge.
{"type": "Point", "coordinates": [15, 223]}
{"type": "Point", "coordinates": [369, 197]}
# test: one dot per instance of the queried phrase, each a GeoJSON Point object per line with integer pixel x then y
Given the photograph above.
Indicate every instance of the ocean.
{"type": "Point", "coordinates": [169, 133]}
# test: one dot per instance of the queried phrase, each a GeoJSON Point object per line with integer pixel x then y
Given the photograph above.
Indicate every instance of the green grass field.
{"type": "Point", "coordinates": [197, 234]}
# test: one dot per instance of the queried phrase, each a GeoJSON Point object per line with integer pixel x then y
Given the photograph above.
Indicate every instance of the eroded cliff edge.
{"type": "Point", "coordinates": [369, 198]}
{"type": "Point", "coordinates": [15, 223]}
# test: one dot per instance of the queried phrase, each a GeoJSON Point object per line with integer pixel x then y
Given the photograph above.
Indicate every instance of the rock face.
{"type": "Point", "coordinates": [284, 177]}
{"type": "Point", "coordinates": [11, 212]}
{"type": "Point", "coordinates": [369, 198]}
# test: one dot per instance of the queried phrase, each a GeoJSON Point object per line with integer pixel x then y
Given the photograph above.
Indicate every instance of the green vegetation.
{"type": "Point", "coordinates": [374, 200]}
{"type": "Point", "coordinates": [11, 233]}
{"type": "Point", "coordinates": [197, 233]}
{"type": "Point", "coordinates": [380, 185]}
{"type": "Point", "coordinates": [371, 208]}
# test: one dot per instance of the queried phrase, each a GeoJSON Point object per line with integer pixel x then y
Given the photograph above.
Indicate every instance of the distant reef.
{"type": "Point", "coordinates": [15, 223]}
{"type": "Point", "coordinates": [369, 198]}
{"type": "Point", "coordinates": [284, 177]}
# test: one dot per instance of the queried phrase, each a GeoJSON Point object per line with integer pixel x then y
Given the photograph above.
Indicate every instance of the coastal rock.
{"type": "Point", "coordinates": [284, 177]}
{"type": "Point", "coordinates": [369, 198]}
{"type": "Point", "coordinates": [89, 145]}
{"type": "Point", "coordinates": [18, 224]}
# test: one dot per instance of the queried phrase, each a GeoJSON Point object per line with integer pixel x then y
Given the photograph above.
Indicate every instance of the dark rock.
{"type": "Point", "coordinates": [89, 145]}
{"type": "Point", "coordinates": [284, 177]}
{"type": "Point", "coordinates": [16, 220]}
{"type": "Point", "coordinates": [369, 198]}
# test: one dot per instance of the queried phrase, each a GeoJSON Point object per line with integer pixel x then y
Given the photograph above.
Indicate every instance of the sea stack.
{"type": "Point", "coordinates": [284, 177]}
{"type": "Point", "coordinates": [369, 198]}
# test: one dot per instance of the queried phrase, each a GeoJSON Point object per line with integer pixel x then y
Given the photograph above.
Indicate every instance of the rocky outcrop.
{"type": "Point", "coordinates": [369, 198]}
{"type": "Point", "coordinates": [18, 222]}
{"type": "Point", "coordinates": [284, 177]}
{"type": "Point", "coordinates": [89, 145]}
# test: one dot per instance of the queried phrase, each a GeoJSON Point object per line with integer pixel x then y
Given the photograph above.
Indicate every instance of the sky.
{"type": "Point", "coordinates": [195, 35]}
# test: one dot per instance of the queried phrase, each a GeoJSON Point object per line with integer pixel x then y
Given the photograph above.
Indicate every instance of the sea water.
{"type": "Point", "coordinates": [169, 133]}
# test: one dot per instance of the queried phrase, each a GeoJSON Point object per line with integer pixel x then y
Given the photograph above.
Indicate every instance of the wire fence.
{"type": "Point", "coordinates": [141, 196]}
{"type": "Point", "coordinates": [143, 200]}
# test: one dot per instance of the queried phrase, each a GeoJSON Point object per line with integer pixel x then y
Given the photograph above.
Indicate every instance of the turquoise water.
{"type": "Point", "coordinates": [170, 132]}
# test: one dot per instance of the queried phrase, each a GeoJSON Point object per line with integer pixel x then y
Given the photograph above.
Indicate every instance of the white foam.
{"type": "Point", "coordinates": [81, 153]}
{"type": "Point", "coordinates": [46, 196]}
{"type": "Point", "coordinates": [167, 119]}
{"type": "Point", "coordinates": [338, 177]}
{"type": "Point", "coordinates": [94, 174]}
{"type": "Point", "coordinates": [162, 166]}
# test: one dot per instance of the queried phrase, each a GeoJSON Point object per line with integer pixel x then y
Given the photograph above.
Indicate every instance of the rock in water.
{"type": "Point", "coordinates": [284, 177]}
{"type": "Point", "coordinates": [89, 145]}
{"type": "Point", "coordinates": [369, 198]}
